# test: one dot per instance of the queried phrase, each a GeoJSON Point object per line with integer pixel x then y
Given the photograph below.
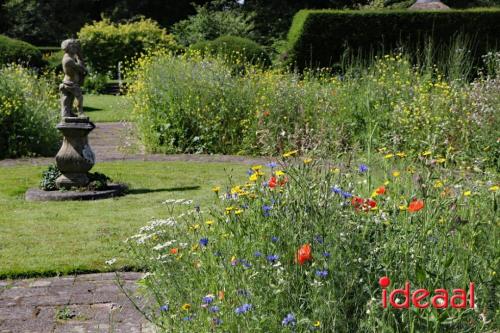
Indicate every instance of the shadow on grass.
{"type": "Point", "coordinates": [171, 189]}
{"type": "Point", "coordinates": [90, 109]}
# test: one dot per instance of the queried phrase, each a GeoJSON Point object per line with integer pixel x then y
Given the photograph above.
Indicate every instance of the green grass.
{"type": "Point", "coordinates": [107, 108]}
{"type": "Point", "coordinates": [49, 238]}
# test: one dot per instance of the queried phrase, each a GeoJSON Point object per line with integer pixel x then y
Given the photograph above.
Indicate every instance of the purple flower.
{"type": "Point", "coordinates": [336, 190]}
{"type": "Point", "coordinates": [318, 239]}
{"type": "Point", "coordinates": [289, 320]}
{"type": "Point", "coordinates": [244, 308]}
{"type": "Point", "coordinates": [250, 172]}
{"type": "Point", "coordinates": [245, 263]}
{"type": "Point", "coordinates": [326, 254]}
{"type": "Point", "coordinates": [164, 307]}
{"type": "Point", "coordinates": [346, 195]}
{"type": "Point", "coordinates": [204, 241]}
{"type": "Point", "coordinates": [266, 209]}
{"type": "Point", "coordinates": [274, 239]}
{"type": "Point", "coordinates": [207, 299]}
{"type": "Point", "coordinates": [272, 258]}
{"type": "Point", "coordinates": [322, 274]}
{"type": "Point", "coordinates": [363, 168]}
{"type": "Point", "coordinates": [257, 254]}
{"type": "Point", "coordinates": [214, 308]}
{"type": "Point", "coordinates": [217, 321]}
{"type": "Point", "coordinates": [272, 165]}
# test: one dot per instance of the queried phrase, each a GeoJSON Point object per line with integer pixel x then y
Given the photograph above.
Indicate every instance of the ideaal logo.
{"type": "Point", "coordinates": [439, 298]}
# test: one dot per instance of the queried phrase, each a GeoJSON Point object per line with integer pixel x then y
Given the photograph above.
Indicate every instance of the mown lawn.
{"type": "Point", "coordinates": [107, 108]}
{"type": "Point", "coordinates": [48, 238]}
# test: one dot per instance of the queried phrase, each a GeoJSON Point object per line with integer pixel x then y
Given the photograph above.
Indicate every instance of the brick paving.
{"type": "Point", "coordinates": [83, 303]}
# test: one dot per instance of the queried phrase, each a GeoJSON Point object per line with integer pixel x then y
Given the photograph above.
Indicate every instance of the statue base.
{"type": "Point", "coordinates": [75, 158]}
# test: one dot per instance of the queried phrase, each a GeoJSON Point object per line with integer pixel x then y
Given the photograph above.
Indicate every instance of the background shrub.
{"type": "Point", "coordinates": [235, 49]}
{"type": "Point", "coordinates": [105, 43]}
{"type": "Point", "coordinates": [322, 37]}
{"type": "Point", "coordinates": [216, 19]}
{"type": "Point", "coordinates": [28, 114]}
{"type": "Point", "coordinates": [17, 51]}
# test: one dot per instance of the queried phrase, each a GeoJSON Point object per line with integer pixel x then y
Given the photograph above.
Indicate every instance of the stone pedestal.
{"type": "Point", "coordinates": [75, 158]}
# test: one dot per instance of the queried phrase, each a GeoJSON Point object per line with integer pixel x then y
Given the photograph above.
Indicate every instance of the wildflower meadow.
{"type": "Point", "coordinates": [301, 246]}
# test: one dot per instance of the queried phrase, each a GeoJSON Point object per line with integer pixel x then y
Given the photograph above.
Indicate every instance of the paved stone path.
{"type": "Point", "coordinates": [79, 304]}
{"type": "Point", "coordinates": [116, 142]}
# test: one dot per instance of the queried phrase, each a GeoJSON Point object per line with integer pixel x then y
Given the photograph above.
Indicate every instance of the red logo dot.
{"type": "Point", "coordinates": [384, 282]}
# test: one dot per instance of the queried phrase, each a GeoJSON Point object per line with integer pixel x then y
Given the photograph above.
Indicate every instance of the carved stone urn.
{"type": "Point", "coordinates": [75, 158]}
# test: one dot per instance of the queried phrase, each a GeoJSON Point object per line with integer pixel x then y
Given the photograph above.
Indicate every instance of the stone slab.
{"type": "Point", "coordinates": [114, 190]}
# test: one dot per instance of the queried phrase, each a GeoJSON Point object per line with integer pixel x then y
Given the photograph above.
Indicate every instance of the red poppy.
{"type": "Point", "coordinates": [380, 190]}
{"type": "Point", "coordinates": [303, 254]}
{"type": "Point", "coordinates": [174, 250]}
{"type": "Point", "coordinates": [363, 204]}
{"type": "Point", "coordinates": [415, 205]}
{"type": "Point", "coordinates": [272, 182]}
{"type": "Point", "coordinates": [283, 181]}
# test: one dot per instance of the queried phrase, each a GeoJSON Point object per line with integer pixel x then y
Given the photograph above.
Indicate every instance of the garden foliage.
{"type": "Point", "coordinates": [28, 114]}
{"type": "Point", "coordinates": [212, 20]}
{"type": "Point", "coordinates": [301, 246]}
{"type": "Point", "coordinates": [235, 49]}
{"type": "Point", "coordinates": [105, 44]}
{"type": "Point", "coordinates": [17, 51]}
{"type": "Point", "coordinates": [193, 104]}
{"type": "Point", "coordinates": [322, 37]}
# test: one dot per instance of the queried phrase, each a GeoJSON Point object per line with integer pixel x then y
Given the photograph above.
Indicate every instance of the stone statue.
{"type": "Point", "coordinates": [74, 74]}
{"type": "Point", "coordinates": [75, 158]}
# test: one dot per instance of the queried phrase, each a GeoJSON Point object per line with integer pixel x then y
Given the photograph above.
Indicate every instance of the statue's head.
{"type": "Point", "coordinates": [71, 45]}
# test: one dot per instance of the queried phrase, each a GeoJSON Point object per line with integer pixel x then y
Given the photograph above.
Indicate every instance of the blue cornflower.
{"type": "Point", "coordinates": [257, 254]}
{"type": "Point", "coordinates": [214, 308]}
{"type": "Point", "coordinates": [323, 273]}
{"type": "Point", "coordinates": [363, 168]}
{"type": "Point", "coordinates": [272, 258]}
{"type": "Point", "coordinates": [207, 299]}
{"type": "Point", "coordinates": [244, 308]}
{"type": "Point", "coordinates": [245, 263]}
{"type": "Point", "coordinates": [272, 165]}
{"type": "Point", "coordinates": [326, 254]}
{"type": "Point", "coordinates": [318, 239]}
{"type": "Point", "coordinates": [336, 190]}
{"type": "Point", "coordinates": [289, 320]}
{"type": "Point", "coordinates": [274, 239]}
{"type": "Point", "coordinates": [346, 195]}
{"type": "Point", "coordinates": [188, 318]}
{"type": "Point", "coordinates": [250, 172]}
{"type": "Point", "coordinates": [217, 321]}
{"type": "Point", "coordinates": [228, 196]}
{"type": "Point", "coordinates": [164, 307]}
{"type": "Point", "coordinates": [266, 210]}
{"type": "Point", "coordinates": [204, 241]}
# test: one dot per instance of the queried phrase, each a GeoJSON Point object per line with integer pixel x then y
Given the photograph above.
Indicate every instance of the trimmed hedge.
{"type": "Point", "coordinates": [321, 37]}
{"type": "Point", "coordinates": [235, 48]}
{"type": "Point", "coordinates": [17, 51]}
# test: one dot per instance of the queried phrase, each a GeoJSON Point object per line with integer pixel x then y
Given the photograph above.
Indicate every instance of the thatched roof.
{"type": "Point", "coordinates": [429, 5]}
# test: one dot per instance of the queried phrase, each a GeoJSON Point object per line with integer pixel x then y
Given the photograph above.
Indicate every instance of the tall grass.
{"type": "Point", "coordinates": [194, 104]}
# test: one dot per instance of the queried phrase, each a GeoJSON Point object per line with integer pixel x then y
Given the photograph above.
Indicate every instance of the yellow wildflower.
{"type": "Point", "coordinates": [467, 193]}
{"type": "Point", "coordinates": [257, 167]}
{"type": "Point", "coordinates": [494, 188]}
{"type": "Point", "coordinates": [403, 207]}
{"type": "Point", "coordinates": [317, 323]}
{"type": "Point", "coordinates": [209, 222]}
{"type": "Point", "coordinates": [335, 171]}
{"type": "Point", "coordinates": [238, 211]}
{"type": "Point", "coordinates": [307, 160]}
{"type": "Point", "coordinates": [216, 189]}
{"type": "Point", "coordinates": [438, 184]}
{"type": "Point", "coordinates": [253, 177]}
{"type": "Point", "coordinates": [396, 173]}
{"type": "Point", "coordinates": [401, 154]}
{"type": "Point", "coordinates": [279, 173]}
{"type": "Point", "coordinates": [441, 160]}
{"type": "Point", "coordinates": [290, 153]}
{"type": "Point", "coordinates": [186, 307]}
{"type": "Point", "coordinates": [426, 153]}
{"type": "Point", "coordinates": [387, 156]}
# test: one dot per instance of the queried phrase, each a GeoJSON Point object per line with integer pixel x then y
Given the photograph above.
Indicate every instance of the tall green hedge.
{"type": "Point", "coordinates": [321, 37]}
{"type": "Point", "coordinates": [17, 51]}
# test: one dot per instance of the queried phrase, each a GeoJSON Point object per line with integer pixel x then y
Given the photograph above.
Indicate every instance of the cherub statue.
{"type": "Point", "coordinates": [74, 74]}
